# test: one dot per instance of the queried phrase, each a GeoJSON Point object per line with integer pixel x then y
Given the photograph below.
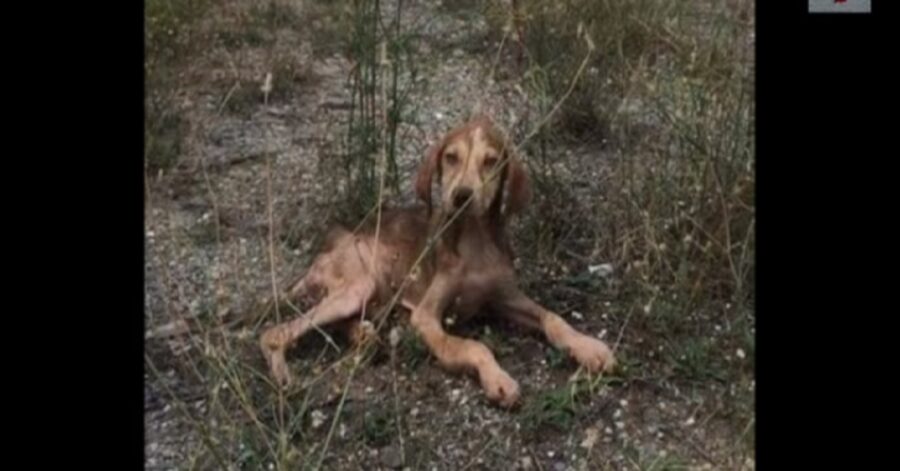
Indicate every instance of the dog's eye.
{"type": "Point", "coordinates": [489, 162]}
{"type": "Point", "coordinates": [451, 159]}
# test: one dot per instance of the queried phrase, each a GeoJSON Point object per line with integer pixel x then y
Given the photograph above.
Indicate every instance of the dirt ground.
{"type": "Point", "coordinates": [241, 173]}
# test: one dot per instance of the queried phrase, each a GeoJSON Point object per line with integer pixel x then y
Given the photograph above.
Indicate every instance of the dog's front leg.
{"type": "Point", "coordinates": [457, 353]}
{"type": "Point", "coordinates": [592, 353]}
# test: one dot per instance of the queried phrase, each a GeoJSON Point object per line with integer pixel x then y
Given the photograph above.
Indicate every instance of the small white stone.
{"type": "Point", "coordinates": [689, 421]}
{"type": "Point", "coordinates": [318, 418]}
{"type": "Point", "coordinates": [623, 403]}
{"type": "Point", "coordinates": [602, 270]}
{"type": "Point", "coordinates": [591, 435]}
{"type": "Point", "coordinates": [602, 334]}
{"type": "Point", "coordinates": [620, 425]}
{"type": "Point", "coordinates": [394, 337]}
{"type": "Point", "coordinates": [740, 354]}
{"type": "Point", "coordinates": [577, 315]}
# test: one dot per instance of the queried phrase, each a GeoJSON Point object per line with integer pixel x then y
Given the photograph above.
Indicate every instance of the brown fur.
{"type": "Point", "coordinates": [470, 268]}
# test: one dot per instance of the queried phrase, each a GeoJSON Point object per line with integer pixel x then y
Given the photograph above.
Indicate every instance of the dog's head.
{"type": "Point", "coordinates": [473, 163]}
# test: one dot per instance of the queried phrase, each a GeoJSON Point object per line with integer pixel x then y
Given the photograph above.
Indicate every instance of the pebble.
{"type": "Point", "coordinates": [391, 458]}
{"type": "Point", "coordinates": [318, 418]}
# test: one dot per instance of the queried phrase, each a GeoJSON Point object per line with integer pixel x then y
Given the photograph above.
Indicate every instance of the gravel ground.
{"type": "Point", "coordinates": [200, 271]}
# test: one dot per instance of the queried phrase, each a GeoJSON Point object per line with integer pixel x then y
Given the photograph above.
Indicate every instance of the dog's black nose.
{"type": "Point", "coordinates": [460, 196]}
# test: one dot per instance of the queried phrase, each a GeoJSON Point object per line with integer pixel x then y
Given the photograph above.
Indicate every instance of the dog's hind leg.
{"type": "Point", "coordinates": [341, 304]}
{"type": "Point", "coordinates": [300, 289]}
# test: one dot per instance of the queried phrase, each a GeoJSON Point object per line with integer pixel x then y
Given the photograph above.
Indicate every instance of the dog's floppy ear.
{"type": "Point", "coordinates": [427, 168]}
{"type": "Point", "coordinates": [518, 183]}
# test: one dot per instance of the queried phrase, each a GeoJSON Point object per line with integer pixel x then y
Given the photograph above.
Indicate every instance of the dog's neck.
{"type": "Point", "coordinates": [471, 230]}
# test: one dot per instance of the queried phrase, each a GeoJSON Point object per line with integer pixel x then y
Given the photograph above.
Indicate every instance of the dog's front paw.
{"type": "Point", "coordinates": [593, 354]}
{"type": "Point", "coordinates": [500, 387]}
